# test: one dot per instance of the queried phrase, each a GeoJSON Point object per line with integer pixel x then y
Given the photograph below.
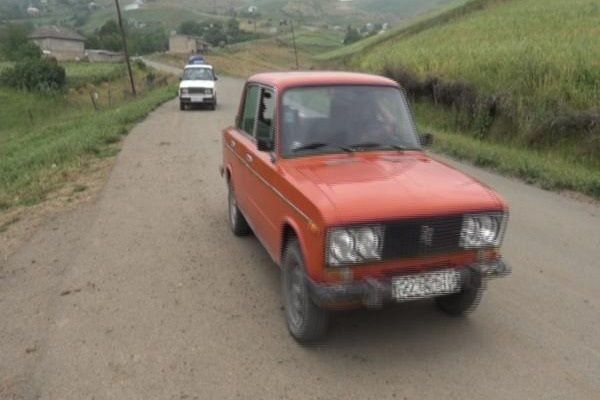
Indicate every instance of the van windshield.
{"type": "Point", "coordinates": [198, 74]}
{"type": "Point", "coordinates": [329, 119]}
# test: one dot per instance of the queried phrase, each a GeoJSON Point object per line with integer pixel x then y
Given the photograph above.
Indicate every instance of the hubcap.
{"type": "Point", "coordinates": [232, 208]}
{"type": "Point", "coordinates": [295, 296]}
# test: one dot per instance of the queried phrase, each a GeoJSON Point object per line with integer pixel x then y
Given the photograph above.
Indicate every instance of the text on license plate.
{"type": "Point", "coordinates": [424, 285]}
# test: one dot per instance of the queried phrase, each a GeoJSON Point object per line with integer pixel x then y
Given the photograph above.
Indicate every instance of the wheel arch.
{"type": "Point", "coordinates": [290, 229]}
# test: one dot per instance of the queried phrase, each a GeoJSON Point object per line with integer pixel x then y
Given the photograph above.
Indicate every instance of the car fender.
{"type": "Point", "coordinates": [300, 233]}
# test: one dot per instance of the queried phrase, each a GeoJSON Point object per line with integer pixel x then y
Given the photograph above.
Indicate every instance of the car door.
{"type": "Point", "coordinates": [238, 141]}
{"type": "Point", "coordinates": [264, 204]}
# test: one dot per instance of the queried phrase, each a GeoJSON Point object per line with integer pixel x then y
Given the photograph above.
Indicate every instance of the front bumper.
{"type": "Point", "coordinates": [197, 100]}
{"type": "Point", "coordinates": [376, 292]}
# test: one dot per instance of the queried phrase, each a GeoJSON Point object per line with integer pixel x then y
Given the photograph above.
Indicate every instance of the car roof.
{"type": "Point", "coordinates": [199, 66]}
{"type": "Point", "coordinates": [285, 80]}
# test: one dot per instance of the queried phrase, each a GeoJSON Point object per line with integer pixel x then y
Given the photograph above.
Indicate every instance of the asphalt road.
{"type": "Point", "coordinates": [145, 294]}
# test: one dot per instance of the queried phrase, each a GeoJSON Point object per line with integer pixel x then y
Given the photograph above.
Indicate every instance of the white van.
{"type": "Point", "coordinates": [198, 86]}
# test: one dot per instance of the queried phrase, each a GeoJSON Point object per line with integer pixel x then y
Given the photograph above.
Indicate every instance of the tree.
{"type": "Point", "coordinates": [352, 35]}
{"type": "Point", "coordinates": [15, 46]}
{"type": "Point", "coordinates": [106, 38]}
{"type": "Point", "coordinates": [42, 75]}
{"type": "Point", "coordinates": [190, 28]}
{"type": "Point", "coordinates": [233, 27]}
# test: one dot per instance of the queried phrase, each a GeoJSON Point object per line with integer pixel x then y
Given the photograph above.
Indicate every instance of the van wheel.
{"type": "Point", "coordinates": [466, 300]}
{"type": "Point", "coordinates": [306, 321]}
{"type": "Point", "coordinates": [237, 222]}
{"type": "Point", "coordinates": [181, 106]}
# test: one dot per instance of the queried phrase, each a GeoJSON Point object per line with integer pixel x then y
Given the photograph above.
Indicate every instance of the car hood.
{"type": "Point", "coordinates": [371, 187]}
{"type": "Point", "coordinates": [197, 84]}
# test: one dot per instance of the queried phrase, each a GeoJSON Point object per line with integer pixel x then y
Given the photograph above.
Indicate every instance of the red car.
{"type": "Point", "coordinates": [328, 172]}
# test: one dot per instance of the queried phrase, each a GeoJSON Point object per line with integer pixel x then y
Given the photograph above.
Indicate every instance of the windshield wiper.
{"type": "Point", "coordinates": [318, 145]}
{"type": "Point", "coordinates": [375, 145]}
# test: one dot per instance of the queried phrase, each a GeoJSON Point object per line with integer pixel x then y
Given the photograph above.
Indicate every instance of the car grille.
{"type": "Point", "coordinates": [421, 237]}
{"type": "Point", "coordinates": [199, 91]}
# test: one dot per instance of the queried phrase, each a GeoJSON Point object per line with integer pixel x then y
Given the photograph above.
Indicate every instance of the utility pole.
{"type": "Point", "coordinates": [125, 49]}
{"type": "Point", "coordinates": [285, 22]}
{"type": "Point", "coordinates": [294, 42]}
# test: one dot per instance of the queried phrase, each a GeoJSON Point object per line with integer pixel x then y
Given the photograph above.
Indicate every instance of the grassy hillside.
{"type": "Point", "coordinates": [436, 16]}
{"type": "Point", "coordinates": [399, 10]}
{"type": "Point", "coordinates": [46, 140]}
{"type": "Point", "coordinates": [521, 73]}
{"type": "Point", "coordinates": [344, 12]}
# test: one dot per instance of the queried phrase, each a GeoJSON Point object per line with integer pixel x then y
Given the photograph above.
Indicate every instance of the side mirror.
{"type": "Point", "coordinates": [426, 139]}
{"type": "Point", "coordinates": [263, 144]}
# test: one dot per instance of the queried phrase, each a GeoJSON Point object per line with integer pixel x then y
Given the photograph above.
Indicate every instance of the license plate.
{"type": "Point", "coordinates": [425, 285]}
{"type": "Point", "coordinates": [199, 99]}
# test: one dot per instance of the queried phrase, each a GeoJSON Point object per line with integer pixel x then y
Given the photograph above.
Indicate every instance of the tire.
{"type": "Point", "coordinates": [237, 222]}
{"type": "Point", "coordinates": [181, 106]}
{"type": "Point", "coordinates": [306, 321]}
{"type": "Point", "coordinates": [464, 301]}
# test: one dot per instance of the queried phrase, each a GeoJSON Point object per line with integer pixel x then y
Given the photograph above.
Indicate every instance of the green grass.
{"type": "Point", "coordinates": [45, 139]}
{"type": "Point", "coordinates": [5, 64]}
{"type": "Point", "coordinates": [537, 58]}
{"type": "Point", "coordinates": [37, 160]}
{"type": "Point", "coordinates": [316, 42]}
{"type": "Point", "coordinates": [542, 52]}
{"type": "Point", "coordinates": [94, 73]}
{"type": "Point", "coordinates": [400, 9]}
{"type": "Point", "coordinates": [547, 170]}
{"type": "Point", "coordinates": [410, 25]}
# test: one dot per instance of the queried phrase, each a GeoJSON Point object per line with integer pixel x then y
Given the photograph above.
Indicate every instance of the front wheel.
{"type": "Point", "coordinates": [181, 106]}
{"type": "Point", "coordinates": [306, 321]}
{"type": "Point", "coordinates": [466, 300]}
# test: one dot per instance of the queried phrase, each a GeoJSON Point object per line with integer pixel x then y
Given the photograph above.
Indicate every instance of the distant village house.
{"type": "Point", "coordinates": [136, 5]}
{"type": "Point", "coordinates": [185, 44]}
{"type": "Point", "coordinates": [60, 43]}
{"type": "Point", "coordinates": [33, 11]}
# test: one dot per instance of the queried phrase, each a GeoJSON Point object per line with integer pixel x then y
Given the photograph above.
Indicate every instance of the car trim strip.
{"type": "Point", "coordinates": [263, 180]}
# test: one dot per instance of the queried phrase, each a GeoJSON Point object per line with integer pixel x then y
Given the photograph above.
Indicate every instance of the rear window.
{"type": "Point", "coordinates": [198, 74]}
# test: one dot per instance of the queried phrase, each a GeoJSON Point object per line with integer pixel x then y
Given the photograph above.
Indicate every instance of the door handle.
{"type": "Point", "coordinates": [249, 157]}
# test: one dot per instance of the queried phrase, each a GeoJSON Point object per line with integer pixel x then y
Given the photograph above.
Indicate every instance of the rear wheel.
{"type": "Point", "coordinates": [237, 222]}
{"type": "Point", "coordinates": [464, 301]}
{"type": "Point", "coordinates": [306, 321]}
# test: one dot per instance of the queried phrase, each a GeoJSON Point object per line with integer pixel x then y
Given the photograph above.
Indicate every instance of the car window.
{"type": "Point", "coordinates": [198, 74]}
{"type": "Point", "coordinates": [266, 113]}
{"type": "Point", "coordinates": [250, 108]}
{"type": "Point", "coordinates": [330, 119]}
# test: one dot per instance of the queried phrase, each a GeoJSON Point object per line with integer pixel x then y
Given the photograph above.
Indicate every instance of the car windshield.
{"type": "Point", "coordinates": [198, 74]}
{"type": "Point", "coordinates": [329, 119]}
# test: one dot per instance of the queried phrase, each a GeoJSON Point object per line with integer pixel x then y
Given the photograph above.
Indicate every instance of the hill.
{"type": "Point", "coordinates": [518, 73]}
{"type": "Point", "coordinates": [348, 11]}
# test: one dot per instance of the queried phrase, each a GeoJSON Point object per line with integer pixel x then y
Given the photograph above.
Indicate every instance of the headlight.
{"type": "Point", "coordinates": [184, 91]}
{"type": "Point", "coordinates": [482, 230]}
{"type": "Point", "coordinates": [208, 91]}
{"type": "Point", "coordinates": [354, 245]}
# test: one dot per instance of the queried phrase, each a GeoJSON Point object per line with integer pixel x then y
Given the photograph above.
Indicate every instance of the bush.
{"type": "Point", "coordinates": [15, 46]}
{"type": "Point", "coordinates": [35, 75]}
